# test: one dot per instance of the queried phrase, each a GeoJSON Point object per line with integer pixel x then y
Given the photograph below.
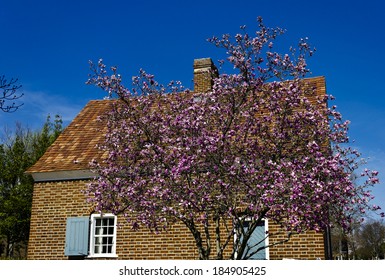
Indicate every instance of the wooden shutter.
{"type": "Point", "coordinates": [77, 235]}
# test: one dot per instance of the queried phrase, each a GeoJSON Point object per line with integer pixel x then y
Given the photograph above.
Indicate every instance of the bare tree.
{"type": "Point", "coordinates": [371, 240]}
{"type": "Point", "coordinates": [9, 92]}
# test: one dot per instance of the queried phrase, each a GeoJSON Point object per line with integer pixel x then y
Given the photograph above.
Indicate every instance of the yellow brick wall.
{"type": "Point", "coordinates": [54, 202]}
{"type": "Point", "coordinates": [202, 81]}
{"type": "Point", "coordinates": [306, 246]}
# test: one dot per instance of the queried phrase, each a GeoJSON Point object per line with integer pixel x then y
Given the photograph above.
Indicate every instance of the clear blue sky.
{"type": "Point", "coordinates": [47, 45]}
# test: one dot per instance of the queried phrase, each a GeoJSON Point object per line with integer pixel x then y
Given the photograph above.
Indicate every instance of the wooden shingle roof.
{"type": "Point", "coordinates": [76, 145]}
{"type": "Point", "coordinates": [69, 156]}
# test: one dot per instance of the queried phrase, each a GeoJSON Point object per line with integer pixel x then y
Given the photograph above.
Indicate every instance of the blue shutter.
{"type": "Point", "coordinates": [77, 233]}
{"type": "Point", "coordinates": [257, 236]}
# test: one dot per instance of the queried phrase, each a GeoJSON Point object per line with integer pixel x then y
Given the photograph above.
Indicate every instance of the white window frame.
{"type": "Point", "coordinates": [92, 253]}
{"type": "Point", "coordinates": [267, 251]}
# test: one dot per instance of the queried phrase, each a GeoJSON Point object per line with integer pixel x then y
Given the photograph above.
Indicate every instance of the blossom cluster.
{"type": "Point", "coordinates": [262, 143]}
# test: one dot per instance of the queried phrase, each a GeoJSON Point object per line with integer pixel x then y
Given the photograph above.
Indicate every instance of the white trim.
{"type": "Point", "coordinates": [267, 250]}
{"type": "Point", "coordinates": [92, 237]}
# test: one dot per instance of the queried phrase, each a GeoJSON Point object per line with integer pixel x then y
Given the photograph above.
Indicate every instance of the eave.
{"type": "Point", "coordinates": [63, 175]}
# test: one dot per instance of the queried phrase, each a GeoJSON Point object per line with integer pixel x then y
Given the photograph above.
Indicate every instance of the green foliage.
{"type": "Point", "coordinates": [48, 134]}
{"type": "Point", "coordinates": [20, 151]}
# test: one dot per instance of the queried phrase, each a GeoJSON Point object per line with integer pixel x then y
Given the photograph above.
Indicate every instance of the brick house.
{"type": "Point", "coordinates": [64, 226]}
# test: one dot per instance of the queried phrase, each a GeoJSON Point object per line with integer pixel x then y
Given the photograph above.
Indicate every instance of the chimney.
{"type": "Point", "coordinates": [204, 73]}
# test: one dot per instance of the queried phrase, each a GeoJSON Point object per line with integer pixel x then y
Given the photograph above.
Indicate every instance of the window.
{"type": "Point", "coordinates": [258, 239]}
{"type": "Point", "coordinates": [103, 235]}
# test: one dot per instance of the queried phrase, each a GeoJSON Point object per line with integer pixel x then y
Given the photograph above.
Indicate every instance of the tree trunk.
{"type": "Point", "coordinates": [8, 248]}
{"type": "Point", "coordinates": [218, 238]}
{"type": "Point", "coordinates": [203, 253]}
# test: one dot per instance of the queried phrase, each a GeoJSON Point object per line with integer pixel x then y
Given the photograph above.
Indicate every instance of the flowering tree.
{"type": "Point", "coordinates": [260, 144]}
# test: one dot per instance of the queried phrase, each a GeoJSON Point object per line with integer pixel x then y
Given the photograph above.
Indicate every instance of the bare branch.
{"type": "Point", "coordinates": [8, 94]}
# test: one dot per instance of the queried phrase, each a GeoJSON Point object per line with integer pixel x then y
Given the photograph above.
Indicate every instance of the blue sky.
{"type": "Point", "coordinates": [47, 46]}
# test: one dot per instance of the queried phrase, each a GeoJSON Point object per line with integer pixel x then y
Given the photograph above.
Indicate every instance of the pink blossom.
{"type": "Point", "coordinates": [254, 144]}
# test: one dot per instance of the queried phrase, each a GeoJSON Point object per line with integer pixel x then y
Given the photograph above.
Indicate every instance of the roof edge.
{"type": "Point", "coordinates": [63, 175]}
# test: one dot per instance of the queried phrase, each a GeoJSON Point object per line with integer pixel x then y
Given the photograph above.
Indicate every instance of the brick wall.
{"type": "Point", "coordinates": [54, 202]}
{"type": "Point", "coordinates": [306, 246]}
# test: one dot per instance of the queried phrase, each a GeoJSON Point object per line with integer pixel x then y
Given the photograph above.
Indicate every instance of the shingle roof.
{"type": "Point", "coordinates": [76, 145]}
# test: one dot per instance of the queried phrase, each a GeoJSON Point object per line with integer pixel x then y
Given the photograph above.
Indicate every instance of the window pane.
{"type": "Point", "coordinates": [104, 249]}
{"type": "Point", "coordinates": [111, 230]}
{"type": "Point", "coordinates": [105, 230]}
{"type": "Point", "coordinates": [98, 240]}
{"type": "Point", "coordinates": [104, 222]}
{"type": "Point", "coordinates": [98, 222]}
{"type": "Point", "coordinates": [98, 231]}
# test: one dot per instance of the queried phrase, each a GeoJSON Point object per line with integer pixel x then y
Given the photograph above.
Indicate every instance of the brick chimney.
{"type": "Point", "coordinates": [204, 73]}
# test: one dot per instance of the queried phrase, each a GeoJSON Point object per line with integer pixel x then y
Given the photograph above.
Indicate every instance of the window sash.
{"type": "Point", "coordinates": [103, 235]}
